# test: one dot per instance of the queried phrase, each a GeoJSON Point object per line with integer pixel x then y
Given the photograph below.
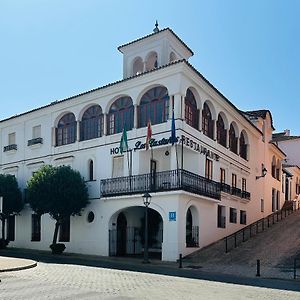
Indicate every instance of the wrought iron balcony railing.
{"type": "Point", "coordinates": [236, 191]}
{"type": "Point", "coordinates": [225, 187]}
{"type": "Point", "coordinates": [10, 147]}
{"type": "Point", "coordinates": [35, 141]}
{"type": "Point", "coordinates": [246, 195]}
{"type": "Point", "coordinates": [160, 182]}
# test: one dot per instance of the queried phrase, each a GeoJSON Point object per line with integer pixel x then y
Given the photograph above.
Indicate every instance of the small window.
{"type": "Point", "coordinates": [118, 166]}
{"type": "Point", "coordinates": [233, 215]}
{"type": "Point", "coordinates": [243, 217]}
{"type": "Point", "coordinates": [91, 170]}
{"type": "Point", "coordinates": [222, 175]}
{"type": "Point", "coordinates": [208, 169]}
{"type": "Point", "coordinates": [12, 138]}
{"type": "Point", "coordinates": [35, 228]}
{"type": "Point", "coordinates": [36, 132]}
{"type": "Point", "coordinates": [221, 222]}
{"type": "Point", "coordinates": [244, 185]}
{"type": "Point", "coordinates": [11, 228]}
{"type": "Point", "coordinates": [233, 180]}
{"type": "Point", "coordinates": [262, 205]}
{"type": "Point", "coordinates": [64, 231]}
{"type": "Point", "coordinates": [90, 217]}
{"type": "Point", "coordinates": [273, 200]}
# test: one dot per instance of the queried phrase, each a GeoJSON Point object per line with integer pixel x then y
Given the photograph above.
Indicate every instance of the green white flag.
{"type": "Point", "coordinates": [124, 142]}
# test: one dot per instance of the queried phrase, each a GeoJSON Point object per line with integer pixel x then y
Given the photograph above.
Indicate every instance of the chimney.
{"type": "Point", "coordinates": [287, 132]}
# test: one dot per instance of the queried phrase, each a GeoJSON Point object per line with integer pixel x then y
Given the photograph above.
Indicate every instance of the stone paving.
{"type": "Point", "coordinates": [53, 281]}
{"type": "Point", "coordinates": [275, 247]}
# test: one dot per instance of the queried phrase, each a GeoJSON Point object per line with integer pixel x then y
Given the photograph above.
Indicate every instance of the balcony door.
{"type": "Point", "coordinates": [153, 166]}
{"type": "Point", "coordinates": [118, 166]}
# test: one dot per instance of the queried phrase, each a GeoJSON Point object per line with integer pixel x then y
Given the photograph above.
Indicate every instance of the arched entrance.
{"type": "Point", "coordinates": [192, 230]}
{"type": "Point", "coordinates": [127, 232]}
{"type": "Point", "coordinates": [121, 234]}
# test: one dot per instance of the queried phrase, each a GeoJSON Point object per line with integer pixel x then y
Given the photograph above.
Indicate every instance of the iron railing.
{"type": "Point", "coordinates": [10, 147]}
{"type": "Point", "coordinates": [159, 182]}
{"type": "Point", "coordinates": [35, 141]}
{"type": "Point", "coordinates": [235, 239]}
{"type": "Point", "coordinates": [192, 236]}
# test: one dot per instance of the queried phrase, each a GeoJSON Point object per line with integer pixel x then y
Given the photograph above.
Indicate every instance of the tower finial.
{"type": "Point", "coordinates": [156, 29]}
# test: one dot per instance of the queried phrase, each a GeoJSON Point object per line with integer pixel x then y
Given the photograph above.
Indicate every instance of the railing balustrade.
{"type": "Point", "coordinates": [161, 181]}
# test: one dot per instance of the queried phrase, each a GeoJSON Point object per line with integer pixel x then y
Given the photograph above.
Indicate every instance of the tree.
{"type": "Point", "coordinates": [12, 198]}
{"type": "Point", "coordinates": [59, 191]}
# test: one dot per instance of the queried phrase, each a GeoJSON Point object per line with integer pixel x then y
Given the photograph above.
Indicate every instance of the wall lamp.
{"type": "Point", "coordinates": [263, 172]}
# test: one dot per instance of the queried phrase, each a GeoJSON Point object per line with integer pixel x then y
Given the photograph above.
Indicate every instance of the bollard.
{"type": "Point", "coordinates": [226, 245]}
{"type": "Point", "coordinates": [258, 268]}
{"type": "Point", "coordinates": [295, 268]}
{"type": "Point", "coordinates": [243, 235]}
{"type": "Point", "coordinates": [180, 260]}
{"type": "Point", "coordinates": [235, 245]}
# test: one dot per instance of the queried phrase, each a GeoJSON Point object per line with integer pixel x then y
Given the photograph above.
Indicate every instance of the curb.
{"type": "Point", "coordinates": [19, 268]}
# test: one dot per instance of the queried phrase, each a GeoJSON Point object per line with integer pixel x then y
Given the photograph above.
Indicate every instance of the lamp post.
{"type": "Point", "coordinates": [146, 200]}
{"type": "Point", "coordinates": [263, 172]}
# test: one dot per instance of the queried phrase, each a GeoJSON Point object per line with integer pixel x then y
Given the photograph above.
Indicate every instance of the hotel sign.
{"type": "Point", "coordinates": [184, 141]}
{"type": "Point", "coordinates": [188, 142]}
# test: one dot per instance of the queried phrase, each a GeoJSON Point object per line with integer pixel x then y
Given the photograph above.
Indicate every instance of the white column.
{"type": "Point", "coordinates": [177, 106]}
{"type": "Point", "coordinates": [105, 124]}
{"type": "Point", "coordinates": [173, 157]}
{"type": "Point", "coordinates": [135, 116]}
{"type": "Point", "coordinates": [77, 131]}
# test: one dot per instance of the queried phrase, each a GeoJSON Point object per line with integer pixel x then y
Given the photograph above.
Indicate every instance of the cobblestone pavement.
{"type": "Point", "coordinates": [53, 281]}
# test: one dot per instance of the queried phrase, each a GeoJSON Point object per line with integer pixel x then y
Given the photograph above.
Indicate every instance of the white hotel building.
{"type": "Point", "coordinates": [209, 190]}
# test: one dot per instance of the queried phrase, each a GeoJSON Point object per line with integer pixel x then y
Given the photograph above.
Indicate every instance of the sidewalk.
{"type": "Point", "coordinates": [136, 265]}
{"type": "Point", "coordinates": [8, 264]}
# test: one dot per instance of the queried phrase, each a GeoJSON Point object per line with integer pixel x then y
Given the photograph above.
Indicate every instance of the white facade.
{"type": "Point", "coordinates": [30, 140]}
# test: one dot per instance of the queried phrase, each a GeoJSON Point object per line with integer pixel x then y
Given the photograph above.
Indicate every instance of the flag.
{"type": "Point", "coordinates": [124, 142]}
{"type": "Point", "coordinates": [149, 134]}
{"type": "Point", "coordinates": [173, 130]}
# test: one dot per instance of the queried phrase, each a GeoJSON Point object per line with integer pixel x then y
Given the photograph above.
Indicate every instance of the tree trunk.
{"type": "Point", "coordinates": [3, 228]}
{"type": "Point", "coordinates": [57, 224]}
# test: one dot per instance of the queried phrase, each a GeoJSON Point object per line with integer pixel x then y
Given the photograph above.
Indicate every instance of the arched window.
{"type": "Point", "coordinates": [66, 130]}
{"type": "Point", "coordinates": [91, 125]}
{"type": "Point", "coordinates": [91, 170]}
{"type": "Point", "coordinates": [273, 169]}
{"type": "Point", "coordinates": [221, 131]}
{"type": "Point", "coordinates": [137, 66]}
{"type": "Point", "coordinates": [191, 112]}
{"type": "Point", "coordinates": [120, 114]}
{"type": "Point", "coordinates": [154, 106]}
{"type": "Point", "coordinates": [278, 167]}
{"type": "Point", "coordinates": [172, 57]}
{"type": "Point", "coordinates": [207, 122]}
{"type": "Point", "coordinates": [243, 146]}
{"type": "Point", "coordinates": [232, 140]}
{"type": "Point", "coordinates": [151, 61]}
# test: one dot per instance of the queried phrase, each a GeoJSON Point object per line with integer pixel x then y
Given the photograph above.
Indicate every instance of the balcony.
{"type": "Point", "coordinates": [236, 191]}
{"type": "Point", "coordinates": [10, 147]}
{"type": "Point", "coordinates": [161, 182]}
{"type": "Point", "coordinates": [35, 141]}
{"type": "Point", "coordinates": [246, 195]}
{"type": "Point", "coordinates": [225, 188]}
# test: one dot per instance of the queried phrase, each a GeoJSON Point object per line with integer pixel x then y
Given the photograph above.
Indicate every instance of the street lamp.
{"type": "Point", "coordinates": [146, 200]}
{"type": "Point", "coordinates": [263, 172]}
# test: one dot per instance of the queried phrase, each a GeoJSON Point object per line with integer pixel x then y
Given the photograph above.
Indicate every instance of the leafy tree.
{"type": "Point", "coordinates": [59, 191]}
{"type": "Point", "coordinates": [12, 198]}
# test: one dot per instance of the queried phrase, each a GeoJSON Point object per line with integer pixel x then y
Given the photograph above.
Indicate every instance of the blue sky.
{"type": "Point", "coordinates": [53, 49]}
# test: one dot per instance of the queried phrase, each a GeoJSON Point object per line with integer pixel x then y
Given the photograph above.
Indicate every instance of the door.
{"type": "Point", "coordinates": [121, 234]}
{"type": "Point", "coordinates": [153, 165]}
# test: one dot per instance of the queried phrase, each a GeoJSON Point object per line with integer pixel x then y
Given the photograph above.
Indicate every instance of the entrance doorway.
{"type": "Point", "coordinates": [121, 234]}
{"type": "Point", "coordinates": [126, 236]}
